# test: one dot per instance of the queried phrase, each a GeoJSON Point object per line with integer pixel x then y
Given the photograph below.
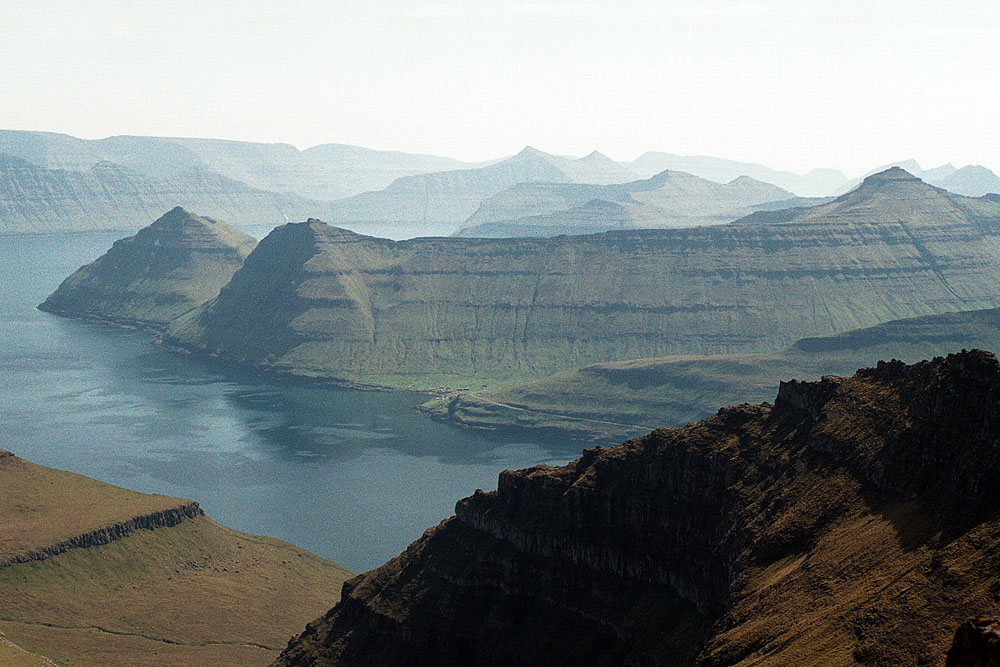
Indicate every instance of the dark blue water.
{"type": "Point", "coordinates": [353, 476]}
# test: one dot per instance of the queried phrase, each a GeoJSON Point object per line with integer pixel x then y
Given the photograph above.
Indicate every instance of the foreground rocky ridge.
{"type": "Point", "coordinates": [319, 301]}
{"type": "Point", "coordinates": [93, 574]}
{"type": "Point", "coordinates": [175, 264]}
{"type": "Point", "coordinates": [852, 522]}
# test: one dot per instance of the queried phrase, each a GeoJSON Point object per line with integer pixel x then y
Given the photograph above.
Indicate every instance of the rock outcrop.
{"type": "Point", "coordinates": [175, 264]}
{"type": "Point", "coordinates": [976, 644]}
{"type": "Point", "coordinates": [96, 575]}
{"type": "Point", "coordinates": [319, 301]}
{"type": "Point", "coordinates": [165, 518]}
{"type": "Point", "coordinates": [855, 521]}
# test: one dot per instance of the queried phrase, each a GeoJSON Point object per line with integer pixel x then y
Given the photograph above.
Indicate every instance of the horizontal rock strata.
{"type": "Point", "coordinates": [321, 301]}
{"type": "Point", "coordinates": [852, 522]}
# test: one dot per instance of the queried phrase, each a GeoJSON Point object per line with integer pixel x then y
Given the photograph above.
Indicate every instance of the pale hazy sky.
{"type": "Point", "coordinates": [794, 84]}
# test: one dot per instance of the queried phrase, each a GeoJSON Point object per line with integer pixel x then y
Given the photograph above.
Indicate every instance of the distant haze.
{"type": "Point", "coordinates": [795, 85]}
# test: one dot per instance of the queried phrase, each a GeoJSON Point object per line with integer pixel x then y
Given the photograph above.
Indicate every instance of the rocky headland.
{"type": "Point", "coordinates": [178, 262]}
{"type": "Point", "coordinates": [317, 301]}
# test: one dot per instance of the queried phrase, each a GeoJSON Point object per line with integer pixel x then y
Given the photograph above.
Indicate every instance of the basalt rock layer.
{"type": "Point", "coordinates": [320, 301]}
{"type": "Point", "coordinates": [854, 521]}
{"type": "Point", "coordinates": [175, 264]}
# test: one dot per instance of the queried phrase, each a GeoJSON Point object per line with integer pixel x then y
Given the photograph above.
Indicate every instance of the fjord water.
{"type": "Point", "coordinates": [353, 476]}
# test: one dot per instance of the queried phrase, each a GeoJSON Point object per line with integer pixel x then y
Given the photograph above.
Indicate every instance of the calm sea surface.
{"type": "Point", "coordinates": [353, 476]}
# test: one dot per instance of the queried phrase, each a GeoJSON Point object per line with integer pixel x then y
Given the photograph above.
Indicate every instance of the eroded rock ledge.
{"type": "Point", "coordinates": [107, 534]}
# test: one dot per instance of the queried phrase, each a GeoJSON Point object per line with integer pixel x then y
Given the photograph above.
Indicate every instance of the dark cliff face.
{"type": "Point", "coordinates": [854, 521]}
{"type": "Point", "coordinates": [175, 264]}
{"type": "Point", "coordinates": [976, 644]}
{"type": "Point", "coordinates": [476, 312]}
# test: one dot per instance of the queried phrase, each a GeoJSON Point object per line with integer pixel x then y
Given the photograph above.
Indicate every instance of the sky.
{"type": "Point", "coordinates": [794, 85]}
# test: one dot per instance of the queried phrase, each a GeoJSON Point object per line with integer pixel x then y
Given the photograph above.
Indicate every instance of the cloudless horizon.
{"type": "Point", "coordinates": [791, 85]}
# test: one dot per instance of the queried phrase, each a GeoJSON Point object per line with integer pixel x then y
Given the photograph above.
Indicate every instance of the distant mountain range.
{"type": "Point", "coordinates": [109, 196]}
{"type": "Point", "coordinates": [451, 197]}
{"type": "Point", "coordinates": [816, 183]}
{"type": "Point", "coordinates": [971, 180]}
{"type": "Point", "coordinates": [55, 182]}
{"type": "Point", "coordinates": [323, 302]}
{"type": "Point", "coordinates": [327, 171]}
{"type": "Point", "coordinates": [669, 199]}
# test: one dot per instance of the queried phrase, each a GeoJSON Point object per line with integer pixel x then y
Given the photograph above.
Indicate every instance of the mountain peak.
{"type": "Point", "coordinates": [897, 174]}
{"type": "Point", "coordinates": [530, 151]}
{"type": "Point", "coordinates": [179, 218]}
{"type": "Point", "coordinates": [175, 264]}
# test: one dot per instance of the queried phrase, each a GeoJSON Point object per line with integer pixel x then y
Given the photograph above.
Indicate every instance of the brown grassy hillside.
{"type": "Point", "coordinates": [114, 577]}
{"type": "Point", "coordinates": [854, 521]}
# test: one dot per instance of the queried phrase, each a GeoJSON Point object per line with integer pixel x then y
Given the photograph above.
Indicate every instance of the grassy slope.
{"type": "Point", "coordinates": [12, 655]}
{"type": "Point", "coordinates": [609, 402]}
{"type": "Point", "coordinates": [194, 594]}
{"type": "Point", "coordinates": [178, 262]}
{"type": "Point", "coordinates": [42, 506]}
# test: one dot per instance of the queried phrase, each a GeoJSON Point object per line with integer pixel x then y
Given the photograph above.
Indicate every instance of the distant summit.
{"type": "Point", "coordinates": [442, 201]}
{"type": "Point", "coordinates": [972, 180]}
{"type": "Point", "coordinates": [178, 262]}
{"type": "Point", "coordinates": [665, 200]}
{"type": "Point", "coordinates": [816, 183]}
{"type": "Point", "coordinates": [890, 174]}
{"type": "Point", "coordinates": [893, 198]}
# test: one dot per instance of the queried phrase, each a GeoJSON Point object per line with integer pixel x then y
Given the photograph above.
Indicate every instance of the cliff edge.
{"type": "Point", "coordinates": [854, 521]}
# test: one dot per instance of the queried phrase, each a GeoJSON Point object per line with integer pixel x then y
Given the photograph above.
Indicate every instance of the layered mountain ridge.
{"type": "Point", "coordinates": [832, 527]}
{"type": "Point", "coordinates": [668, 199]}
{"type": "Point", "coordinates": [178, 262]}
{"type": "Point", "coordinates": [323, 302]}
{"type": "Point", "coordinates": [108, 196]}
{"type": "Point", "coordinates": [323, 172]}
{"type": "Point", "coordinates": [448, 198]}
